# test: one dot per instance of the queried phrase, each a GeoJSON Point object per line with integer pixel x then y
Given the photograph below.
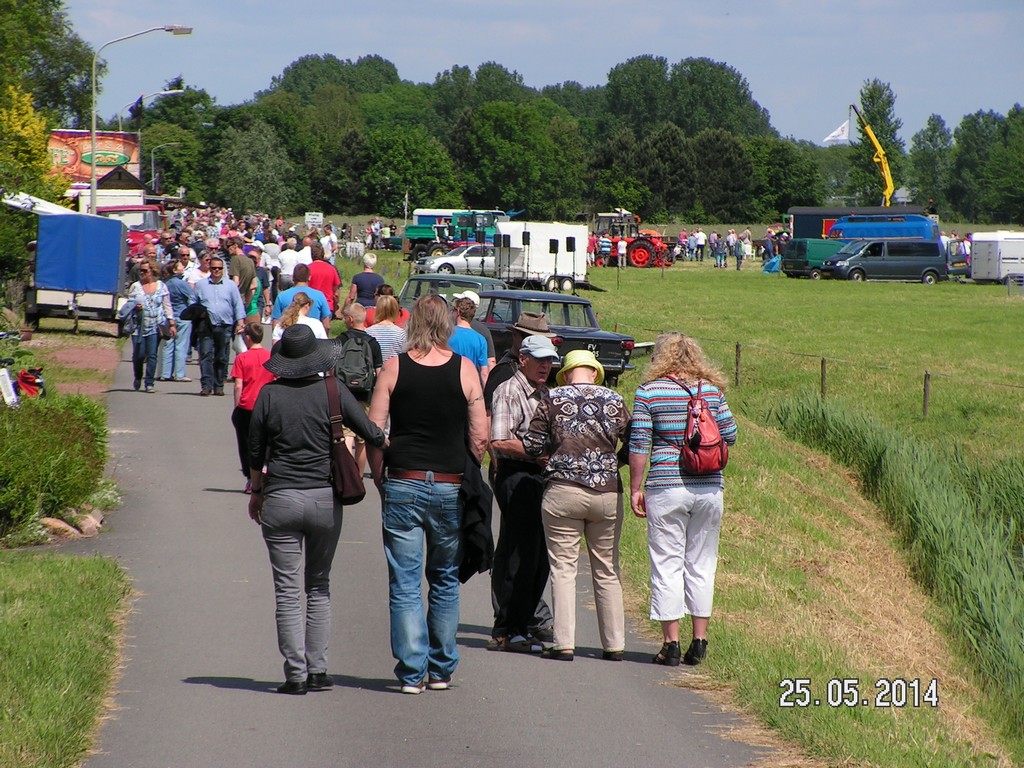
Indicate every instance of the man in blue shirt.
{"type": "Point", "coordinates": [320, 310]}
{"type": "Point", "coordinates": [225, 315]}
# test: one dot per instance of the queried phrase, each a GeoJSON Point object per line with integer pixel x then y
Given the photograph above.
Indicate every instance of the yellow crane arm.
{"type": "Point", "coordinates": [879, 157]}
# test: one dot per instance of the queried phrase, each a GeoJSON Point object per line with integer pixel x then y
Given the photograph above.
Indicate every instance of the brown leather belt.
{"type": "Point", "coordinates": [438, 477]}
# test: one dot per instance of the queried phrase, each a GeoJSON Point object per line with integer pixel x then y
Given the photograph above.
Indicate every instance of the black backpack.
{"type": "Point", "coordinates": [354, 362]}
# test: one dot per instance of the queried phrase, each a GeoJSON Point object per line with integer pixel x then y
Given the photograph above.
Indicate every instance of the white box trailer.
{"type": "Point", "coordinates": [547, 254]}
{"type": "Point", "coordinates": [995, 255]}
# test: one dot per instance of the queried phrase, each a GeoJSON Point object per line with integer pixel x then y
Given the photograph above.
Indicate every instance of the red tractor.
{"type": "Point", "coordinates": [644, 247]}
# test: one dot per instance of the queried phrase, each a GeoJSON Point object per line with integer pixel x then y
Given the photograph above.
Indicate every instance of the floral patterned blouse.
{"type": "Point", "coordinates": [580, 427]}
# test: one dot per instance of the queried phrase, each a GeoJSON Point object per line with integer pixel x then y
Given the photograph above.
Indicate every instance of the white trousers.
{"type": "Point", "coordinates": [682, 537]}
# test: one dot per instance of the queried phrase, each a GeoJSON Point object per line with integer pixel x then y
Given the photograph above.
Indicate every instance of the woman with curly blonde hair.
{"type": "Point", "coordinates": [684, 512]}
{"type": "Point", "coordinates": [297, 313]}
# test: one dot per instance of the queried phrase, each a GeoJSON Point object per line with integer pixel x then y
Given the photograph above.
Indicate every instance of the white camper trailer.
{"type": "Point", "coordinates": [551, 255]}
{"type": "Point", "coordinates": [996, 255]}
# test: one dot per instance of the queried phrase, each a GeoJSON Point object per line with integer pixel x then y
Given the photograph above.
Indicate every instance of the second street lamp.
{"type": "Point", "coordinates": [174, 29]}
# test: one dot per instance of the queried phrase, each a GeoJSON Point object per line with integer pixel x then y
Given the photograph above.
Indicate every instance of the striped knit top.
{"type": "Point", "coordinates": [659, 421]}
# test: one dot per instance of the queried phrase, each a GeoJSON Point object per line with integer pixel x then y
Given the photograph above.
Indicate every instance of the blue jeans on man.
{"type": "Point", "coordinates": [424, 647]}
{"type": "Point", "coordinates": [214, 352]}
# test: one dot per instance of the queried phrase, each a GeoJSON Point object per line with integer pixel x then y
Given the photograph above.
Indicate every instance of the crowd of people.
{"type": "Point", "coordinates": [423, 401]}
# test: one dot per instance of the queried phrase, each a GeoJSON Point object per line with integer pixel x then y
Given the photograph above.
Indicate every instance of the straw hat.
{"type": "Point", "coordinates": [580, 358]}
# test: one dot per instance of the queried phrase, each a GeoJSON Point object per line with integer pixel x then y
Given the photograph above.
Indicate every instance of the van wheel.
{"type": "Point", "coordinates": [815, 274]}
{"type": "Point", "coordinates": [929, 278]}
{"type": "Point", "coordinates": [551, 284]}
{"type": "Point", "coordinates": [857, 276]}
{"type": "Point", "coordinates": [567, 285]}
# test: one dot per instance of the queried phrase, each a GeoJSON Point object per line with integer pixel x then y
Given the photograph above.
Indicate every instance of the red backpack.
{"type": "Point", "coordinates": [703, 452]}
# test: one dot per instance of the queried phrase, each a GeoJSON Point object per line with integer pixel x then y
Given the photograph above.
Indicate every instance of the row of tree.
{"type": "Point", "coordinates": [682, 140]}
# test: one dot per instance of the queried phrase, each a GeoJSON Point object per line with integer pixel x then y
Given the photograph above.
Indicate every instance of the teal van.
{"type": "Point", "coordinates": [919, 260]}
{"type": "Point", "coordinates": [803, 257]}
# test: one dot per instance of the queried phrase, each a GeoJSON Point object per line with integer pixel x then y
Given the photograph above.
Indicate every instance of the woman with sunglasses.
{"type": "Point", "coordinates": [150, 302]}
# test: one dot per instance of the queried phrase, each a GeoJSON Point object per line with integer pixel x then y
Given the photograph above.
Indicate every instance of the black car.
{"type": "Point", "coordinates": [571, 319]}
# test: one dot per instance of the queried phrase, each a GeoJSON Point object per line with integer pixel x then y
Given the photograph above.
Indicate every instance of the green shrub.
{"type": "Point", "coordinates": [52, 454]}
{"type": "Point", "coordinates": [957, 521]}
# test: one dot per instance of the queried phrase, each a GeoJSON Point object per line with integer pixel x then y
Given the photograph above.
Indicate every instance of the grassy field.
{"type": "Point", "coordinates": [814, 585]}
{"type": "Point", "coordinates": [59, 624]}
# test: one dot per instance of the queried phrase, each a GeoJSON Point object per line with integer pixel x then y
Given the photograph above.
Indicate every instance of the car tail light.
{"type": "Point", "coordinates": [627, 345]}
{"type": "Point", "coordinates": [557, 341]}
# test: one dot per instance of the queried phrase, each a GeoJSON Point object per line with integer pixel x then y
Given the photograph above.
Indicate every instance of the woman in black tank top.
{"type": "Point", "coordinates": [435, 403]}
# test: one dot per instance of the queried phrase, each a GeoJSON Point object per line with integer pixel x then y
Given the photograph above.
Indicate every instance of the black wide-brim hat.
{"type": "Point", "coordinates": [300, 354]}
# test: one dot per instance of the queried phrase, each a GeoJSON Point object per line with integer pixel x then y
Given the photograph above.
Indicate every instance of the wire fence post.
{"type": "Point", "coordinates": [824, 378]}
{"type": "Point", "coordinates": [927, 392]}
{"type": "Point", "coordinates": [739, 347]}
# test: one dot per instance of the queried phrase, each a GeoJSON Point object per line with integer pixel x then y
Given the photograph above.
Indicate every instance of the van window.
{"type": "Point", "coordinates": [873, 251]}
{"type": "Point", "coordinates": [908, 250]}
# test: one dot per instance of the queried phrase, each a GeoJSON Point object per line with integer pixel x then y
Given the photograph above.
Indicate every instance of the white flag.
{"type": "Point", "coordinates": [842, 133]}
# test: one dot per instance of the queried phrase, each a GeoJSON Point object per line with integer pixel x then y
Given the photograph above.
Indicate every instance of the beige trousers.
{"type": "Point", "coordinates": [570, 512]}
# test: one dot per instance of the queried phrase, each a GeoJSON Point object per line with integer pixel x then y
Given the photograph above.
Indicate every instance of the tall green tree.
{"type": "Point", "coordinates": [973, 141]}
{"type": "Point", "coordinates": [784, 174]}
{"type": "Point", "coordinates": [667, 166]}
{"type": "Point", "coordinates": [178, 160]}
{"type": "Point", "coordinates": [41, 54]}
{"type": "Point", "coordinates": [254, 171]}
{"type": "Point", "coordinates": [929, 161]}
{"type": "Point", "coordinates": [1003, 173]}
{"type": "Point", "coordinates": [878, 105]}
{"type": "Point", "coordinates": [637, 92]}
{"type": "Point", "coordinates": [24, 167]}
{"type": "Point", "coordinates": [703, 94]}
{"type": "Point", "coordinates": [407, 160]}
{"type": "Point", "coordinates": [725, 177]}
{"type": "Point", "coordinates": [508, 157]}
{"type": "Point", "coordinates": [613, 173]}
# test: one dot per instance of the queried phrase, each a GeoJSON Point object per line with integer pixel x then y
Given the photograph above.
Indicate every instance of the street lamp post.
{"type": "Point", "coordinates": [174, 29]}
{"type": "Point", "coordinates": [152, 161]}
{"type": "Point", "coordinates": [145, 98]}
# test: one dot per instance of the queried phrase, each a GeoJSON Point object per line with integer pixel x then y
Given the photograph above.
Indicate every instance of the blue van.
{"type": "Point", "coordinates": [894, 226]}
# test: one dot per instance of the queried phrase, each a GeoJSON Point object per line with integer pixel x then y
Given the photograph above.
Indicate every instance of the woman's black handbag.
{"type": "Point", "coordinates": [345, 475]}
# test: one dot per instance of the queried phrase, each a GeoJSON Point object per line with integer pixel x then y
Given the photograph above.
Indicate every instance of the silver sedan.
{"type": "Point", "coordinates": [465, 260]}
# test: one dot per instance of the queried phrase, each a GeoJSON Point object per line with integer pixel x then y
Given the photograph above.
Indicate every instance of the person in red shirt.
{"type": "Point", "coordinates": [249, 376]}
{"type": "Point", "coordinates": [324, 277]}
{"type": "Point", "coordinates": [371, 312]}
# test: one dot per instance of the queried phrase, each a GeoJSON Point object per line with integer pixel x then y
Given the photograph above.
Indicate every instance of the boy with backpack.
{"type": "Point", "coordinates": [358, 360]}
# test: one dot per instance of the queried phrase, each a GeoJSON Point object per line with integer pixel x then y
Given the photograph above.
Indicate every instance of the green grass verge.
{"type": "Point", "coordinates": [59, 625]}
{"type": "Point", "coordinates": [788, 603]}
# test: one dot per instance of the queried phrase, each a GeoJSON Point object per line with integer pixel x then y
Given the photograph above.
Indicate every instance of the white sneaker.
{"type": "Point", "coordinates": [439, 683]}
{"type": "Point", "coordinates": [414, 689]}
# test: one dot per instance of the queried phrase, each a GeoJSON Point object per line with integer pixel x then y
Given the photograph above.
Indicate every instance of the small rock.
{"type": "Point", "coordinates": [59, 528]}
{"type": "Point", "coordinates": [87, 526]}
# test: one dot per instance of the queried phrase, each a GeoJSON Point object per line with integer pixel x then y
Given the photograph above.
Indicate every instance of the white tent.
{"type": "Point", "coordinates": [34, 204]}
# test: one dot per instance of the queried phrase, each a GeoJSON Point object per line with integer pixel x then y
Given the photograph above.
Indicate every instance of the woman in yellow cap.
{"type": "Point", "coordinates": [580, 426]}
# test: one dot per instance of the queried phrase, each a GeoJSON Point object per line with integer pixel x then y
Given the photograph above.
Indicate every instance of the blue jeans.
{"type": "Point", "coordinates": [176, 350]}
{"type": "Point", "coordinates": [424, 646]}
{"type": "Point", "coordinates": [144, 354]}
{"type": "Point", "coordinates": [214, 351]}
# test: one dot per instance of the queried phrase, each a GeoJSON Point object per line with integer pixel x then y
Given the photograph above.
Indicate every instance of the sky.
{"type": "Point", "coordinates": [805, 60]}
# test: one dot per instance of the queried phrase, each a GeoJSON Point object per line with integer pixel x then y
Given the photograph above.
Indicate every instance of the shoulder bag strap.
{"type": "Point", "coordinates": [334, 407]}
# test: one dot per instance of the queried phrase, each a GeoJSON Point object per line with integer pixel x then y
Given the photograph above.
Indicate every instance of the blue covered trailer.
{"type": "Point", "coordinates": [80, 268]}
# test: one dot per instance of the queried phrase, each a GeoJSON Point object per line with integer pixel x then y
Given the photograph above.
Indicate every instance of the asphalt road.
{"type": "Point", "coordinates": [201, 656]}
